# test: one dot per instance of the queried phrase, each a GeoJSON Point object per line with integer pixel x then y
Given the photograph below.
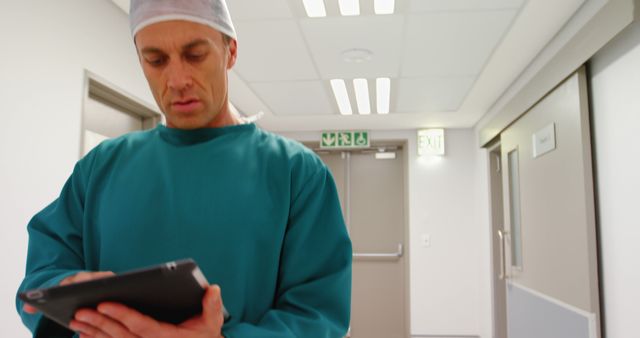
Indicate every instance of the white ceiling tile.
{"type": "Point", "coordinates": [243, 97]}
{"type": "Point", "coordinates": [432, 94]}
{"type": "Point", "coordinates": [462, 5]}
{"type": "Point", "coordinates": [274, 50]}
{"type": "Point", "coordinates": [329, 38]}
{"type": "Point", "coordinates": [303, 98]}
{"type": "Point", "coordinates": [453, 43]}
{"type": "Point", "coordinates": [123, 4]}
{"type": "Point", "coordinates": [258, 10]}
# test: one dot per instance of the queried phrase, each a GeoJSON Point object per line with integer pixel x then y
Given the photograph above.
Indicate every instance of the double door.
{"type": "Point", "coordinates": [372, 197]}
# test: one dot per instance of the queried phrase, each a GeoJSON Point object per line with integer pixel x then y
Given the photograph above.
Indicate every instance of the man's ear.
{"type": "Point", "coordinates": [233, 53]}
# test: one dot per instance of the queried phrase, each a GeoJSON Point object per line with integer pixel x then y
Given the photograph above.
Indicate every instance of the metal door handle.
{"type": "Point", "coordinates": [503, 268]}
{"type": "Point", "coordinates": [397, 254]}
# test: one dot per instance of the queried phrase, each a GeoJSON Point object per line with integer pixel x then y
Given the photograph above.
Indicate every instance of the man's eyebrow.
{"type": "Point", "coordinates": [190, 45]}
{"type": "Point", "coordinates": [195, 43]}
{"type": "Point", "coordinates": [152, 50]}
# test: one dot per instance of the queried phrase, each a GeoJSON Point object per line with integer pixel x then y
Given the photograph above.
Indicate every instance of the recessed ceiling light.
{"type": "Point", "coordinates": [362, 96]}
{"type": "Point", "coordinates": [315, 8]}
{"type": "Point", "coordinates": [383, 94]}
{"type": "Point", "coordinates": [357, 55]}
{"type": "Point", "coordinates": [349, 7]}
{"type": "Point", "coordinates": [384, 6]}
{"type": "Point", "coordinates": [342, 98]}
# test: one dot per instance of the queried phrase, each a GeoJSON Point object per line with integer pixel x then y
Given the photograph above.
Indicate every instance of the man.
{"type": "Point", "coordinates": [258, 213]}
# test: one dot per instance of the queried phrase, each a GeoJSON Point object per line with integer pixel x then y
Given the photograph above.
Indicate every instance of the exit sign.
{"type": "Point", "coordinates": [430, 142]}
{"type": "Point", "coordinates": [344, 139]}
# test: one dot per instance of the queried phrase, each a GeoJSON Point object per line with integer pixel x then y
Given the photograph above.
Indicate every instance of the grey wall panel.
{"type": "Point", "coordinates": [535, 316]}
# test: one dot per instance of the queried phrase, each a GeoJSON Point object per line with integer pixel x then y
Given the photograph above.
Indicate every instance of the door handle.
{"type": "Point", "coordinates": [398, 254]}
{"type": "Point", "coordinates": [503, 268]}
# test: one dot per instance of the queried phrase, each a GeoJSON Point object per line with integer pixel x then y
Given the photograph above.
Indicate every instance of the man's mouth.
{"type": "Point", "coordinates": [186, 106]}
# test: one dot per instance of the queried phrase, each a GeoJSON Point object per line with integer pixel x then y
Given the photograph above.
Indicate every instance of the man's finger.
{"type": "Point", "coordinates": [29, 309]}
{"type": "Point", "coordinates": [134, 321]}
{"type": "Point", "coordinates": [86, 276]}
{"type": "Point", "coordinates": [212, 306]}
{"type": "Point", "coordinates": [105, 326]}
{"type": "Point", "coordinates": [83, 328]}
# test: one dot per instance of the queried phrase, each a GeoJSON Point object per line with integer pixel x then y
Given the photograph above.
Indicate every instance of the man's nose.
{"type": "Point", "coordinates": [178, 77]}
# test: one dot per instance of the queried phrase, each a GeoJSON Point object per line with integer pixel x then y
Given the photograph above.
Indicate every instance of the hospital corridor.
{"type": "Point", "coordinates": [338, 168]}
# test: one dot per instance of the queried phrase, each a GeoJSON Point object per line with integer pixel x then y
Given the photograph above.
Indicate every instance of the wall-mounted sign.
{"type": "Point", "coordinates": [344, 139]}
{"type": "Point", "coordinates": [544, 140]}
{"type": "Point", "coordinates": [430, 142]}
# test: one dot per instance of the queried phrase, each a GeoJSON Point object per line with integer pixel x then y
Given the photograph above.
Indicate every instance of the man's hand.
{"type": "Point", "coordinates": [79, 277]}
{"type": "Point", "coordinates": [113, 320]}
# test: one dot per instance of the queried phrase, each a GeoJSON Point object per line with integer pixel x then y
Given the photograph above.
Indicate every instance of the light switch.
{"type": "Point", "coordinates": [426, 240]}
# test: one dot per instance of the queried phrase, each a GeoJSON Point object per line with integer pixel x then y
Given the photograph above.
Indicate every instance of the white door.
{"type": "Point", "coordinates": [372, 195]}
{"type": "Point", "coordinates": [550, 236]}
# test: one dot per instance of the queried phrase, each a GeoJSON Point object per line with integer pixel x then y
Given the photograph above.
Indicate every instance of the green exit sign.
{"type": "Point", "coordinates": [344, 139]}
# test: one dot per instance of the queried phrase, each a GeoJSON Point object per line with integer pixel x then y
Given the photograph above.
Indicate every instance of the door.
{"type": "Point", "coordinates": [550, 236]}
{"type": "Point", "coordinates": [497, 244]}
{"type": "Point", "coordinates": [103, 121]}
{"type": "Point", "coordinates": [109, 113]}
{"type": "Point", "coordinates": [372, 195]}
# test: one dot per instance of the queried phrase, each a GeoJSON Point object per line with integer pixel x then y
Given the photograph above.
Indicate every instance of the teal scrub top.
{"type": "Point", "coordinates": [259, 214]}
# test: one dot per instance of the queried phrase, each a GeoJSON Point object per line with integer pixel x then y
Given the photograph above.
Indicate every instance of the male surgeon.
{"type": "Point", "coordinates": [259, 213]}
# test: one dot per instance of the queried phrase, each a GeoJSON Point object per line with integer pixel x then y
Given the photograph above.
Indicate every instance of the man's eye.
{"type": "Point", "coordinates": [158, 61]}
{"type": "Point", "coordinates": [195, 57]}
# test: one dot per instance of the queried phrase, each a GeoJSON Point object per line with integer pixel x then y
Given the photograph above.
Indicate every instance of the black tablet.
{"type": "Point", "coordinates": [170, 292]}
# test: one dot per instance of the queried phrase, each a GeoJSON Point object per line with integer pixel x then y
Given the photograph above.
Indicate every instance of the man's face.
{"type": "Point", "coordinates": [186, 66]}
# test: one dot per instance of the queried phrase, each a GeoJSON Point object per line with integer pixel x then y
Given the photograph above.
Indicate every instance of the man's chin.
{"type": "Point", "coordinates": [183, 123]}
{"type": "Point", "coordinates": [187, 122]}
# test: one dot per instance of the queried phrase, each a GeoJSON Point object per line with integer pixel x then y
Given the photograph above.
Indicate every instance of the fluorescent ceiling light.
{"type": "Point", "coordinates": [349, 7]}
{"type": "Point", "coordinates": [384, 6]}
{"type": "Point", "coordinates": [315, 8]}
{"type": "Point", "coordinates": [383, 94]}
{"type": "Point", "coordinates": [362, 96]}
{"type": "Point", "coordinates": [342, 98]}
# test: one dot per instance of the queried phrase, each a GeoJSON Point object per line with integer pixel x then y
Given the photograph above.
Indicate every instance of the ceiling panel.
{"type": "Point", "coordinates": [275, 51]}
{"type": "Point", "coordinates": [453, 43]}
{"type": "Point", "coordinates": [123, 4]}
{"type": "Point", "coordinates": [462, 5]}
{"type": "Point", "coordinates": [242, 10]}
{"type": "Point", "coordinates": [243, 97]}
{"type": "Point", "coordinates": [329, 38]}
{"type": "Point", "coordinates": [295, 98]}
{"type": "Point", "coordinates": [435, 94]}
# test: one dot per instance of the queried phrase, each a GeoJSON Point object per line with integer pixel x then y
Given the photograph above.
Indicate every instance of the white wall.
{"type": "Point", "coordinates": [445, 278]}
{"type": "Point", "coordinates": [448, 281]}
{"type": "Point", "coordinates": [615, 89]}
{"type": "Point", "coordinates": [46, 46]}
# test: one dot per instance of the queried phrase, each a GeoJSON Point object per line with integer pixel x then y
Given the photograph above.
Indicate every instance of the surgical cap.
{"type": "Point", "coordinates": [213, 13]}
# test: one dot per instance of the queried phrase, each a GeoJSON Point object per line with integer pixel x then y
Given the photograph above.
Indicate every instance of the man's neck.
{"type": "Point", "coordinates": [224, 119]}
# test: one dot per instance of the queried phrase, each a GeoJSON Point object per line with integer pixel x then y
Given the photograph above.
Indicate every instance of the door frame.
{"type": "Point", "coordinates": [498, 323]}
{"type": "Point", "coordinates": [98, 88]}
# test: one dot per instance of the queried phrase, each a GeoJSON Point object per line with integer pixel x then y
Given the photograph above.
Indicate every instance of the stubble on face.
{"type": "Point", "coordinates": [186, 66]}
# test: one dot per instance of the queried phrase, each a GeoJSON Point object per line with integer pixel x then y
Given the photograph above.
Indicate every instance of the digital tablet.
{"type": "Point", "coordinates": [171, 292]}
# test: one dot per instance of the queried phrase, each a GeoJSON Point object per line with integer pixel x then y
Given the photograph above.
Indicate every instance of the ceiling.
{"type": "Point", "coordinates": [448, 60]}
